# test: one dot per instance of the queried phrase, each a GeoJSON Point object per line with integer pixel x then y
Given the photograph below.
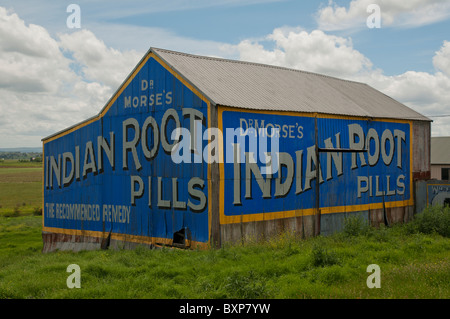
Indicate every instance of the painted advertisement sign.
{"type": "Point", "coordinates": [438, 194]}
{"type": "Point", "coordinates": [347, 181]}
{"type": "Point", "coordinates": [114, 173]}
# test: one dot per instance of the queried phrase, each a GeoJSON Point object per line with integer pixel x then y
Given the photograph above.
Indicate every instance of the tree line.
{"type": "Point", "coordinates": [22, 156]}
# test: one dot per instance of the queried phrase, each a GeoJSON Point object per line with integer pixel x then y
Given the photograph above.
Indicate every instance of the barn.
{"type": "Point", "coordinates": [194, 152]}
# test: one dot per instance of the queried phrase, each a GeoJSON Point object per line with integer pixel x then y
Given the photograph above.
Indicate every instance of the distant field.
{"type": "Point", "coordinates": [20, 187]}
{"type": "Point", "coordinates": [15, 163]}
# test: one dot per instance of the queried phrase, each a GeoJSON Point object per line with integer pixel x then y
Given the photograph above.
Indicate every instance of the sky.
{"type": "Point", "coordinates": [54, 73]}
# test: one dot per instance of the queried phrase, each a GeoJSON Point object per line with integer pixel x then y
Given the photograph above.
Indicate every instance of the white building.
{"type": "Point", "coordinates": [440, 157]}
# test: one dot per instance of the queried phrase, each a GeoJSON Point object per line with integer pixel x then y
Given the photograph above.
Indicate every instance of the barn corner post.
{"type": "Point", "coordinates": [42, 189]}
{"type": "Point", "coordinates": [214, 179]}
{"type": "Point", "coordinates": [317, 201]}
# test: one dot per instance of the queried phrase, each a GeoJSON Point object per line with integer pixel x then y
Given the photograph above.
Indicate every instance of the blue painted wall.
{"type": "Point", "coordinates": [99, 191]}
{"type": "Point", "coordinates": [355, 180]}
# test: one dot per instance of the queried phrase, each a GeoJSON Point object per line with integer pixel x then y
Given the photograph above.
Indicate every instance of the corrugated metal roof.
{"type": "Point", "coordinates": [440, 150]}
{"type": "Point", "coordinates": [265, 87]}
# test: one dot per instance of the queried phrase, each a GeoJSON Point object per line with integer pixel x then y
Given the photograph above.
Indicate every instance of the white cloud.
{"type": "Point", "coordinates": [39, 91]}
{"type": "Point", "coordinates": [402, 13]}
{"type": "Point", "coordinates": [98, 62]}
{"type": "Point", "coordinates": [29, 57]}
{"type": "Point", "coordinates": [441, 60]}
{"type": "Point", "coordinates": [315, 52]}
{"type": "Point", "coordinates": [50, 83]}
{"type": "Point", "coordinates": [427, 93]}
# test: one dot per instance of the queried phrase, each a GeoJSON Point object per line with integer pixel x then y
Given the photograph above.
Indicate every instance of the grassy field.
{"type": "Point", "coordinates": [414, 260]}
{"type": "Point", "coordinates": [20, 187]}
{"type": "Point", "coordinates": [412, 264]}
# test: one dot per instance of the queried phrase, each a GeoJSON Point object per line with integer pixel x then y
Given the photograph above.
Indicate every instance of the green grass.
{"type": "Point", "coordinates": [434, 219]}
{"type": "Point", "coordinates": [414, 259]}
{"type": "Point", "coordinates": [19, 164]}
{"type": "Point", "coordinates": [414, 264]}
{"type": "Point", "coordinates": [20, 188]}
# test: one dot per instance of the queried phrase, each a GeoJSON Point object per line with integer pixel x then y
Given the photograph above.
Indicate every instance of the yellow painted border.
{"type": "Point", "coordinates": [103, 112]}
{"type": "Point", "coordinates": [224, 219]}
{"type": "Point", "coordinates": [434, 185]}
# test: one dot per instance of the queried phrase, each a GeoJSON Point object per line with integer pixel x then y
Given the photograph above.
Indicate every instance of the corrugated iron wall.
{"type": "Point", "coordinates": [389, 197]}
{"type": "Point", "coordinates": [115, 171]}
{"type": "Point", "coordinates": [114, 179]}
